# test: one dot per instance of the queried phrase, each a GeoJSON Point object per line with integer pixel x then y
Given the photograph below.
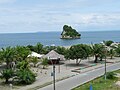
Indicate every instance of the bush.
{"type": "Point", "coordinates": [108, 43]}
{"type": "Point", "coordinates": [110, 75]}
{"type": "Point", "coordinates": [23, 65]}
{"type": "Point", "coordinates": [7, 74]}
{"type": "Point", "coordinates": [25, 76]}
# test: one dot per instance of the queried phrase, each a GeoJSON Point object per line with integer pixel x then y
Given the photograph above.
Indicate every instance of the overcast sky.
{"type": "Point", "coordinates": [19, 16]}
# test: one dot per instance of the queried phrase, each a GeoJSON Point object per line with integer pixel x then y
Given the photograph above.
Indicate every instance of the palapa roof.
{"type": "Point", "coordinates": [53, 55]}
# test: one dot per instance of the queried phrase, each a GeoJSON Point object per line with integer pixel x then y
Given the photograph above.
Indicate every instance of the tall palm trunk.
{"type": "Point", "coordinates": [101, 58]}
{"type": "Point", "coordinates": [76, 61]}
{"type": "Point", "coordinates": [6, 81]}
{"type": "Point", "coordinates": [7, 64]}
{"type": "Point", "coordinates": [111, 56]}
{"type": "Point", "coordinates": [96, 58]}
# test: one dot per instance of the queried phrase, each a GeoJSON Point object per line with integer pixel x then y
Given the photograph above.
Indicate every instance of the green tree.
{"type": "Point", "coordinates": [39, 48]}
{"type": "Point", "coordinates": [23, 65]}
{"type": "Point", "coordinates": [7, 55]}
{"type": "Point", "coordinates": [110, 47]}
{"type": "Point", "coordinates": [76, 52]}
{"type": "Point", "coordinates": [111, 53]}
{"type": "Point", "coordinates": [118, 50]}
{"type": "Point", "coordinates": [98, 50]}
{"type": "Point", "coordinates": [103, 53]}
{"type": "Point", "coordinates": [87, 49]}
{"type": "Point", "coordinates": [61, 50]}
{"type": "Point", "coordinates": [7, 74]}
{"type": "Point", "coordinates": [47, 49]}
{"type": "Point", "coordinates": [31, 47]}
{"type": "Point", "coordinates": [108, 43]}
{"type": "Point", "coordinates": [21, 53]}
{"type": "Point", "coordinates": [25, 76]}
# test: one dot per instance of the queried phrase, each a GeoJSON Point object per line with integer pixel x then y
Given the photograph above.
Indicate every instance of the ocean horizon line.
{"type": "Point", "coordinates": [57, 31]}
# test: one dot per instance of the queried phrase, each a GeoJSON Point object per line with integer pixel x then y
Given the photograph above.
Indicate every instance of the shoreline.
{"type": "Point", "coordinates": [115, 43]}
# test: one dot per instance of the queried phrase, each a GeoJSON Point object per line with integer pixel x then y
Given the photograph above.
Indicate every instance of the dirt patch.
{"type": "Point", "coordinates": [118, 83]}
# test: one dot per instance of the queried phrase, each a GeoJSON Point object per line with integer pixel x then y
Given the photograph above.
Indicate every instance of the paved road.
{"type": "Point", "coordinates": [77, 80]}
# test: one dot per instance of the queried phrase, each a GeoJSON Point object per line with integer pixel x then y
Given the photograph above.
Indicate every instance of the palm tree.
{"type": "Point", "coordinates": [111, 53]}
{"type": "Point", "coordinates": [38, 48]}
{"type": "Point", "coordinates": [103, 53]}
{"type": "Point", "coordinates": [98, 51]}
{"type": "Point", "coordinates": [7, 55]}
{"type": "Point", "coordinates": [108, 43]}
{"type": "Point", "coordinates": [60, 50]}
{"type": "Point", "coordinates": [24, 74]}
{"type": "Point", "coordinates": [21, 53]}
{"type": "Point", "coordinates": [7, 74]}
{"type": "Point", "coordinates": [110, 48]}
{"type": "Point", "coordinates": [47, 49]}
{"type": "Point", "coordinates": [118, 50]}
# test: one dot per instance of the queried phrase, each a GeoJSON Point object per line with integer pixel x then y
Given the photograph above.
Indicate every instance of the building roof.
{"type": "Point", "coordinates": [34, 54]}
{"type": "Point", "coordinates": [54, 55]}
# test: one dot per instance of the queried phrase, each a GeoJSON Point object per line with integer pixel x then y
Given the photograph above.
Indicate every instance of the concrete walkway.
{"type": "Point", "coordinates": [79, 79]}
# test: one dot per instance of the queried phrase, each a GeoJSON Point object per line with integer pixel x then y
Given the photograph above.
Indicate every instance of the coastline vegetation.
{"type": "Point", "coordinates": [18, 56]}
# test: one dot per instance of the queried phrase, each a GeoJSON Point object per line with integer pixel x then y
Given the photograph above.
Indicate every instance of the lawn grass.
{"type": "Point", "coordinates": [118, 71]}
{"type": "Point", "coordinates": [100, 84]}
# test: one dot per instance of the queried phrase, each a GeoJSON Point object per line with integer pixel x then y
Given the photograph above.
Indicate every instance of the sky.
{"type": "Point", "coordinates": [22, 16]}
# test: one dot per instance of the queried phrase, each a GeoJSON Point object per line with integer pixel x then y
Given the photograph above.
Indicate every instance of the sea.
{"type": "Point", "coordinates": [53, 38]}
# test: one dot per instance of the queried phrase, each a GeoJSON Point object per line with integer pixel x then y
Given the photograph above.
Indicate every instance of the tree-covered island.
{"type": "Point", "coordinates": [69, 33]}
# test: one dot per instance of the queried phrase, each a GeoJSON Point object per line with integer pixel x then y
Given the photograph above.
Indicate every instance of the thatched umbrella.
{"type": "Point", "coordinates": [54, 56]}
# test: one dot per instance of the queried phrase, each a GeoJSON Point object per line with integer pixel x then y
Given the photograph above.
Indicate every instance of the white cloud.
{"type": "Point", "coordinates": [38, 20]}
{"type": "Point", "coordinates": [35, 16]}
{"type": "Point", "coordinates": [86, 19]}
{"type": "Point", "coordinates": [52, 16]}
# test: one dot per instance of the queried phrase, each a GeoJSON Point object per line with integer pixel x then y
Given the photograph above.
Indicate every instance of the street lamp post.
{"type": "Point", "coordinates": [105, 67]}
{"type": "Point", "coordinates": [59, 66]}
{"type": "Point", "coordinates": [105, 61]}
{"type": "Point", "coordinates": [53, 77]}
{"type": "Point", "coordinates": [53, 73]}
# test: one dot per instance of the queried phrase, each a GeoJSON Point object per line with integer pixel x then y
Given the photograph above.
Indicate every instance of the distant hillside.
{"type": "Point", "coordinates": [69, 33]}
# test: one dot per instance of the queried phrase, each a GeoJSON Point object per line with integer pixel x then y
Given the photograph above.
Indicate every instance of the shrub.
{"type": "Point", "coordinates": [7, 74]}
{"type": "Point", "coordinates": [25, 76]}
{"type": "Point", "coordinates": [23, 65]}
{"type": "Point", "coordinates": [108, 43]}
{"type": "Point", "coordinates": [110, 75]}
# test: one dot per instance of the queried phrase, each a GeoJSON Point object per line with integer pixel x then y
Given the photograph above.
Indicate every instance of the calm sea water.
{"type": "Point", "coordinates": [49, 38]}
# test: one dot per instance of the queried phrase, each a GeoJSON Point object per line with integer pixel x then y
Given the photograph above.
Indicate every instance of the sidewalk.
{"type": "Point", "coordinates": [80, 79]}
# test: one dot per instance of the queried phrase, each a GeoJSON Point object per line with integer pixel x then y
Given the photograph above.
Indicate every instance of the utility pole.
{"type": "Point", "coordinates": [53, 77]}
{"type": "Point", "coordinates": [105, 60]}
{"type": "Point", "coordinates": [105, 67]}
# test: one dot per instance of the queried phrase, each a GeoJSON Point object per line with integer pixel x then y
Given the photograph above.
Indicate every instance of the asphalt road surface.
{"type": "Point", "coordinates": [79, 79]}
